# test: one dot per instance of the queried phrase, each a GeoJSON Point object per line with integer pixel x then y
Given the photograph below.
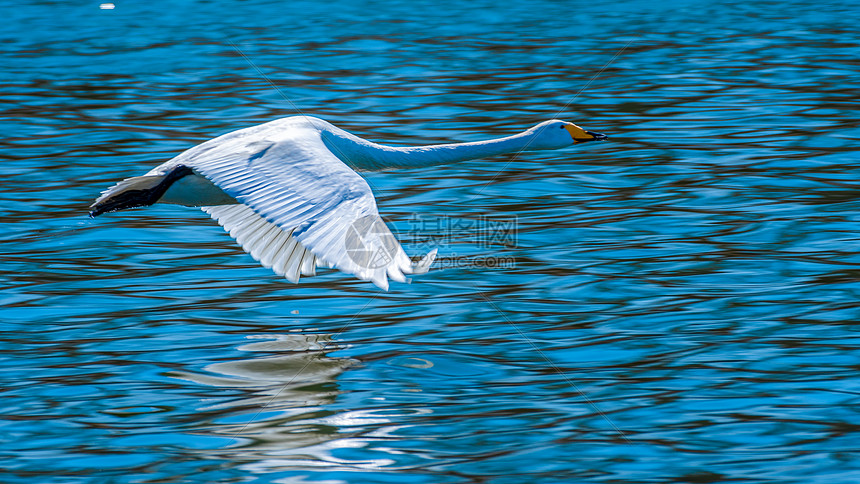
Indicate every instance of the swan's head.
{"type": "Point", "coordinates": [555, 134]}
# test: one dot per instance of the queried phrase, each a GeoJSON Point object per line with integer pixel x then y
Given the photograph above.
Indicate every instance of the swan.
{"type": "Point", "coordinates": [289, 193]}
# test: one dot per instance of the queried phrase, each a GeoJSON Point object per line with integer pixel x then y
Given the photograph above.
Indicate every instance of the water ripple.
{"type": "Point", "coordinates": [681, 302]}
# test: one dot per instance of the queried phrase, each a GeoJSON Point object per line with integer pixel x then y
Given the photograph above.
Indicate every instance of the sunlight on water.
{"type": "Point", "coordinates": [677, 304]}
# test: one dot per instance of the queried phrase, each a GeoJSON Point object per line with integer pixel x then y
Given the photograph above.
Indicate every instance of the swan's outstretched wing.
{"type": "Point", "coordinates": [299, 197]}
{"type": "Point", "coordinates": [267, 243]}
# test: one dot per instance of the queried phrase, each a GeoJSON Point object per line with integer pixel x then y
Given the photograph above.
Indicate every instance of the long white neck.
{"type": "Point", "coordinates": [364, 155]}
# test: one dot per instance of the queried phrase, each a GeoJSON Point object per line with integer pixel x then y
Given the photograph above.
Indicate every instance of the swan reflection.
{"type": "Point", "coordinates": [278, 398]}
{"type": "Point", "coordinates": [284, 412]}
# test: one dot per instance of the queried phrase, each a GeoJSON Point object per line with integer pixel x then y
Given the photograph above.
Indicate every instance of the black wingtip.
{"type": "Point", "coordinates": [139, 197]}
{"type": "Point", "coordinates": [122, 201]}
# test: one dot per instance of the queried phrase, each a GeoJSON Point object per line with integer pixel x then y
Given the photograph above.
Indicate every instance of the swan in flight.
{"type": "Point", "coordinates": [288, 193]}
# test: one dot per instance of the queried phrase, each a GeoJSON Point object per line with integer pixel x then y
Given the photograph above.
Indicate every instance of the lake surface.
{"type": "Point", "coordinates": [679, 304]}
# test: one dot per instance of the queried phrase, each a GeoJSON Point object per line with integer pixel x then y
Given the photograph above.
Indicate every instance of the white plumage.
{"type": "Point", "coordinates": [288, 193]}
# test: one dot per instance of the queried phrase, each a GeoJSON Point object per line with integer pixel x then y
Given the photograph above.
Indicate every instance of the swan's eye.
{"type": "Point", "coordinates": [561, 127]}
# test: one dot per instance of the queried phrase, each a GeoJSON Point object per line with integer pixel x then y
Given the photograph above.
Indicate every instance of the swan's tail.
{"type": "Point", "coordinates": [422, 266]}
{"type": "Point", "coordinates": [138, 191]}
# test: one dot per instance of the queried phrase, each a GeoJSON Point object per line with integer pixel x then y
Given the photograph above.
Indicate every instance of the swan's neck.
{"type": "Point", "coordinates": [364, 155]}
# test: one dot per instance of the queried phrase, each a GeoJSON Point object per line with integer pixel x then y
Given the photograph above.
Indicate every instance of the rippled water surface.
{"type": "Point", "coordinates": [682, 305]}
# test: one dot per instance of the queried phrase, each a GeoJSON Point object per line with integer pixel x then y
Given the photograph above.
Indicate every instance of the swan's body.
{"type": "Point", "coordinates": [288, 193]}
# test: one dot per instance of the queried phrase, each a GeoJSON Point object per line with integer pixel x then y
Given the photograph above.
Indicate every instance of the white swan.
{"type": "Point", "coordinates": [287, 192]}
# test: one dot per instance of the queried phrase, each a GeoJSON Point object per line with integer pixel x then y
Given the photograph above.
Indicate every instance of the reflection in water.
{"type": "Point", "coordinates": [283, 417]}
{"type": "Point", "coordinates": [283, 399]}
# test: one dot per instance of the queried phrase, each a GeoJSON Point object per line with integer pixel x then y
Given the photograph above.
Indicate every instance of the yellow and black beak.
{"type": "Point", "coordinates": [580, 135]}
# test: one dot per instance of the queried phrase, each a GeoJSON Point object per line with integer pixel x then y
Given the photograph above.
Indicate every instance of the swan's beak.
{"type": "Point", "coordinates": [580, 135]}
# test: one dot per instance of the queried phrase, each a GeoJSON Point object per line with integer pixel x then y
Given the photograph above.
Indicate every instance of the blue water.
{"type": "Point", "coordinates": [681, 306]}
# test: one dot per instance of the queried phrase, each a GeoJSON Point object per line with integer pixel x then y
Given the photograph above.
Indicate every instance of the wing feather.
{"type": "Point", "coordinates": [309, 264]}
{"type": "Point", "coordinates": [300, 205]}
{"type": "Point", "coordinates": [267, 243]}
{"type": "Point", "coordinates": [280, 266]}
